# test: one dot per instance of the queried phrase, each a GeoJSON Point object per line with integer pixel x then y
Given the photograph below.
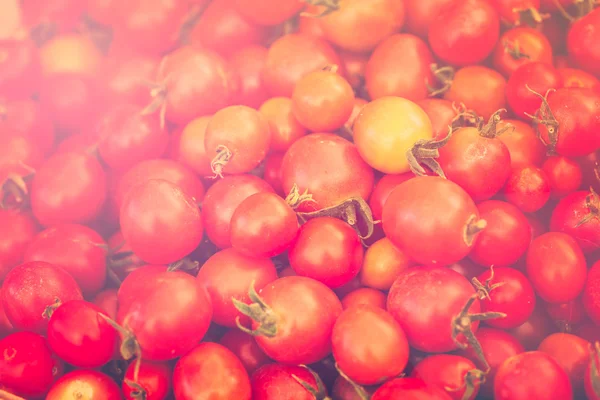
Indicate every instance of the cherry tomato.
{"type": "Point", "coordinates": [425, 300]}
{"type": "Point", "coordinates": [215, 277]}
{"type": "Point", "coordinates": [505, 238]}
{"type": "Point", "coordinates": [80, 336]}
{"type": "Point", "coordinates": [528, 188]}
{"type": "Point", "coordinates": [386, 129]}
{"type": "Point", "coordinates": [409, 389]}
{"type": "Point", "coordinates": [239, 138]}
{"type": "Point", "coordinates": [164, 325]}
{"type": "Point", "coordinates": [382, 264]}
{"type": "Point", "coordinates": [293, 56]}
{"type": "Point", "coordinates": [441, 112]}
{"type": "Point", "coordinates": [190, 148]}
{"type": "Point", "coordinates": [464, 32]}
{"type": "Point", "coordinates": [364, 296]}
{"type": "Point", "coordinates": [591, 297]}
{"type": "Point", "coordinates": [285, 128]}
{"type": "Point", "coordinates": [382, 191]}
{"type": "Point", "coordinates": [420, 14]}
{"type": "Point", "coordinates": [126, 76]}
{"type": "Point", "coordinates": [519, 46]}
{"type": "Point", "coordinates": [329, 168]}
{"type": "Point", "coordinates": [582, 43]}
{"type": "Point", "coordinates": [448, 372]}
{"type": "Point", "coordinates": [249, 63]}
{"type": "Point", "coordinates": [153, 381]}
{"type": "Point", "coordinates": [28, 366]}
{"type": "Point", "coordinates": [575, 215]}
{"type": "Point", "coordinates": [327, 250]}
{"type": "Point", "coordinates": [452, 220]}
{"type": "Point", "coordinates": [68, 188]}
{"type": "Point", "coordinates": [564, 175]}
{"type": "Point", "coordinates": [86, 384]}
{"type": "Point", "coordinates": [571, 352]}
{"type": "Point", "coordinates": [556, 267]}
{"type": "Point", "coordinates": [31, 291]}
{"type": "Point", "coordinates": [268, 12]}
{"type": "Point", "coordinates": [400, 66]}
{"type": "Point", "coordinates": [272, 381]}
{"type": "Point", "coordinates": [523, 145]}
{"type": "Point", "coordinates": [17, 230]}
{"type": "Point", "coordinates": [322, 101]}
{"type": "Point", "coordinates": [221, 201]}
{"type": "Point", "coordinates": [164, 237]}
{"type": "Point", "coordinates": [537, 76]}
{"type": "Point", "coordinates": [245, 348]}
{"type": "Point", "coordinates": [478, 88]}
{"type": "Point", "coordinates": [513, 379]}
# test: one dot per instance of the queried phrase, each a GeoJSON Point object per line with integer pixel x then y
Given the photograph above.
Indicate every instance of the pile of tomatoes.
{"type": "Point", "coordinates": [299, 199]}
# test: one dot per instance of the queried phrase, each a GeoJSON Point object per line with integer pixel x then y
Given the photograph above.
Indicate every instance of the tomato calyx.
{"type": "Point", "coordinates": [321, 392]}
{"type": "Point", "coordinates": [595, 367]}
{"type": "Point", "coordinates": [158, 93]}
{"type": "Point", "coordinates": [472, 380]}
{"type": "Point", "coordinates": [220, 160]}
{"type": "Point", "coordinates": [490, 129]}
{"type": "Point", "coordinates": [464, 117]}
{"type": "Point", "coordinates": [426, 152]}
{"type": "Point", "coordinates": [258, 311]}
{"type": "Point", "coordinates": [354, 211]}
{"type": "Point", "coordinates": [582, 7]}
{"type": "Point", "coordinates": [473, 226]}
{"type": "Point", "coordinates": [545, 117]}
{"type": "Point", "coordinates": [137, 391]}
{"type": "Point", "coordinates": [14, 193]}
{"type": "Point", "coordinates": [130, 347]}
{"type": "Point", "coordinates": [359, 390]}
{"type": "Point", "coordinates": [330, 6]}
{"type": "Point", "coordinates": [49, 310]}
{"type": "Point", "coordinates": [445, 76]}
{"type": "Point", "coordinates": [184, 265]}
{"type": "Point", "coordinates": [294, 198]}
{"type": "Point", "coordinates": [484, 289]}
{"type": "Point", "coordinates": [592, 202]}
{"type": "Point", "coordinates": [529, 16]}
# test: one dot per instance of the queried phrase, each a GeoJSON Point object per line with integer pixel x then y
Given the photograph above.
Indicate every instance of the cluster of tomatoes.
{"type": "Point", "coordinates": [299, 199]}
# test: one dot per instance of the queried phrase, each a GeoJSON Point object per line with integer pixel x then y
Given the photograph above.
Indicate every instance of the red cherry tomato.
{"type": "Point", "coordinates": [427, 319]}
{"type": "Point", "coordinates": [164, 325]}
{"type": "Point", "coordinates": [591, 295]}
{"type": "Point", "coordinates": [190, 148]}
{"type": "Point", "coordinates": [28, 366]}
{"type": "Point", "coordinates": [268, 12]}
{"type": "Point", "coordinates": [448, 372]}
{"type": "Point", "coordinates": [513, 379]}
{"type": "Point", "coordinates": [249, 63]}
{"type": "Point", "coordinates": [245, 348]}
{"type": "Point", "coordinates": [94, 384]}
{"type": "Point", "coordinates": [452, 220]}
{"type": "Point", "coordinates": [556, 267]}
{"type": "Point", "coordinates": [523, 144]}
{"type": "Point", "coordinates": [153, 378]}
{"type": "Point", "coordinates": [31, 288]}
{"type": "Point", "coordinates": [528, 188]}
{"type": "Point", "coordinates": [210, 371]}
{"type": "Point", "coordinates": [409, 389]}
{"type": "Point", "coordinates": [165, 237]}
{"type": "Point", "coordinates": [519, 46]}
{"type": "Point", "coordinates": [420, 14]}
{"type": "Point", "coordinates": [327, 250]}
{"type": "Point", "coordinates": [272, 173]}
{"type": "Point", "coordinates": [583, 43]}
{"type": "Point", "coordinates": [382, 191]}
{"type": "Point", "coordinates": [215, 276]}
{"type": "Point", "coordinates": [80, 336]}
{"type": "Point", "coordinates": [285, 128]}
{"type": "Point", "coordinates": [272, 380]}
{"type": "Point", "coordinates": [369, 345]}
{"type": "Point", "coordinates": [575, 215]}
{"type": "Point", "coordinates": [567, 314]}
{"type": "Point", "coordinates": [17, 230]}
{"type": "Point", "coordinates": [532, 332]}
{"type": "Point", "coordinates": [364, 296]}
{"type": "Point", "coordinates": [441, 112]}
{"type": "Point", "coordinates": [464, 32]}
{"type": "Point", "coordinates": [564, 175]}
{"type": "Point", "coordinates": [571, 352]}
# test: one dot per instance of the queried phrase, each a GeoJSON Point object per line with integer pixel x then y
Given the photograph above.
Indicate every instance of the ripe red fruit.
{"type": "Point", "coordinates": [571, 352]}
{"type": "Point", "coordinates": [449, 373]}
{"type": "Point", "coordinates": [94, 384]}
{"type": "Point", "coordinates": [564, 174]}
{"type": "Point", "coordinates": [519, 46]}
{"type": "Point", "coordinates": [527, 188]}
{"type": "Point", "coordinates": [409, 389]}
{"type": "Point", "coordinates": [591, 293]}
{"type": "Point", "coordinates": [538, 77]}
{"type": "Point", "coordinates": [576, 215]}
{"type": "Point", "coordinates": [32, 290]}
{"type": "Point", "coordinates": [583, 43]}
{"type": "Point", "coordinates": [17, 230]}
{"type": "Point", "coordinates": [160, 222]}
{"type": "Point", "coordinates": [245, 348]}
{"type": "Point", "coordinates": [271, 380]}
{"type": "Point", "coordinates": [153, 381]}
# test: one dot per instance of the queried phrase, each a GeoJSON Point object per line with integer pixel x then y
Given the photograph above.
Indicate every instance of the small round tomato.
{"type": "Point", "coordinates": [449, 373]}
{"type": "Point", "coordinates": [386, 129]}
{"type": "Point", "coordinates": [420, 14]}
{"type": "Point", "coordinates": [94, 384]}
{"type": "Point", "coordinates": [271, 380]}
{"type": "Point", "coordinates": [464, 32]}
{"type": "Point", "coordinates": [400, 66]}
{"type": "Point", "coordinates": [427, 319]}
{"type": "Point", "coordinates": [296, 318]}
{"type": "Point", "coordinates": [293, 56]}
{"type": "Point", "coordinates": [215, 275]}
{"type": "Point", "coordinates": [153, 381]}
{"type": "Point", "coordinates": [210, 371]}
{"type": "Point", "coordinates": [556, 267]}
{"type": "Point", "coordinates": [163, 313]}
{"type": "Point", "coordinates": [68, 188]}
{"type": "Point", "coordinates": [248, 63]}
{"type": "Point", "coordinates": [382, 264]}
{"type": "Point", "coordinates": [327, 167]}
{"type": "Point", "coordinates": [478, 88]}
{"type": "Point", "coordinates": [571, 352]}
{"type": "Point", "coordinates": [514, 378]}
{"type": "Point", "coordinates": [322, 101]}
{"type": "Point", "coordinates": [382, 191]}
{"type": "Point", "coordinates": [505, 238]}
{"type": "Point", "coordinates": [160, 237]}
{"type": "Point", "coordinates": [285, 128]}
{"type": "Point", "coordinates": [221, 201]}
{"type": "Point", "coordinates": [126, 75]}
{"type": "Point", "coordinates": [364, 296]}
{"type": "Point", "coordinates": [28, 366]}
{"type": "Point", "coordinates": [576, 215]}
{"type": "Point", "coordinates": [525, 82]}
{"type": "Point", "coordinates": [528, 188]}
{"type": "Point", "coordinates": [263, 225]}
{"type": "Point", "coordinates": [32, 290]}
{"type": "Point", "coordinates": [520, 46]}
{"type": "Point", "coordinates": [452, 220]}
{"type": "Point", "coordinates": [328, 250]}
{"type": "Point", "coordinates": [17, 230]}
{"type": "Point", "coordinates": [564, 175]}
{"type": "Point", "coordinates": [239, 137]}
{"type": "Point", "coordinates": [268, 12]}
{"type": "Point", "coordinates": [514, 297]}
{"type": "Point", "coordinates": [537, 327]}
{"type": "Point", "coordinates": [245, 348]}
{"type": "Point", "coordinates": [80, 336]}
{"type": "Point", "coordinates": [190, 148]}
{"type": "Point", "coordinates": [583, 43]}
{"type": "Point", "coordinates": [591, 294]}
{"type": "Point", "coordinates": [369, 346]}
{"type": "Point", "coordinates": [409, 389]}
{"type": "Point", "coordinates": [441, 112]}
{"type": "Point", "coordinates": [523, 144]}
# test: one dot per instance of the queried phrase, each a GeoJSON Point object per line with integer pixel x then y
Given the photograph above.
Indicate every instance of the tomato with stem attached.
{"type": "Point", "coordinates": [577, 215]}
{"type": "Point", "coordinates": [297, 382]}
{"type": "Point", "coordinates": [454, 374]}
{"type": "Point", "coordinates": [519, 46]}
{"type": "Point", "coordinates": [153, 381]}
